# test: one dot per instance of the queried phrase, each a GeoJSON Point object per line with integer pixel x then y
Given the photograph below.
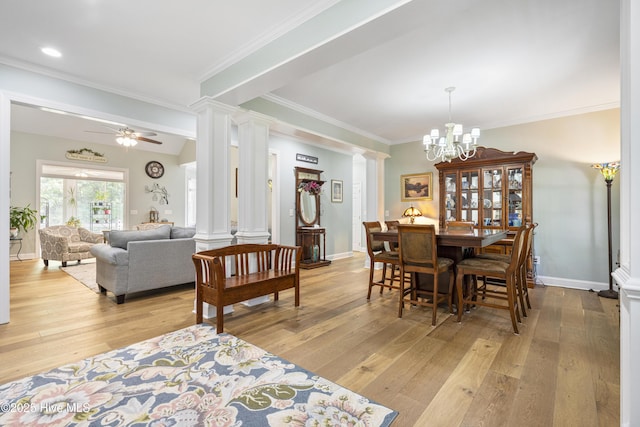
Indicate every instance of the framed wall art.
{"type": "Point", "coordinates": [417, 186]}
{"type": "Point", "coordinates": [336, 191]}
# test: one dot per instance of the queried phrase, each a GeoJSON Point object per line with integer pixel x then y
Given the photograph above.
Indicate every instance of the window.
{"type": "Point", "coordinates": [68, 192]}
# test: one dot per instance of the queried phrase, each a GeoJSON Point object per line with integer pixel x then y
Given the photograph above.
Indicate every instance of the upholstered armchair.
{"type": "Point", "coordinates": [65, 243]}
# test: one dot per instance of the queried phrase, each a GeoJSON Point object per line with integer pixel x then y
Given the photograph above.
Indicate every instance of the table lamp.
{"type": "Point", "coordinates": [412, 213]}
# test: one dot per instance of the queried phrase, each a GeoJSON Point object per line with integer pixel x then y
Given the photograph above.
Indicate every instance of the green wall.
{"type": "Point", "coordinates": [569, 197]}
{"type": "Point", "coordinates": [335, 217]}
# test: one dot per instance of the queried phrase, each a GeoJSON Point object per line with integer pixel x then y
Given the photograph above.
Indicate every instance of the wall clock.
{"type": "Point", "coordinates": [154, 169]}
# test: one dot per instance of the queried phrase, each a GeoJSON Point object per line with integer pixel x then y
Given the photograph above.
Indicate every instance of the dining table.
{"type": "Point", "coordinates": [453, 244]}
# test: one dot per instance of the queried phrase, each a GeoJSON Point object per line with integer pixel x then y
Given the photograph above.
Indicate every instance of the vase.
{"type": "Point", "coordinates": [315, 253]}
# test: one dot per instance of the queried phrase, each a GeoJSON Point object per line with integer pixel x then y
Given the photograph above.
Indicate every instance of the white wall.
{"type": "Point", "coordinates": [27, 148]}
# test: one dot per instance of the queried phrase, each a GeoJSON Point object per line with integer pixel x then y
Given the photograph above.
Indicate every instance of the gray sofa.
{"type": "Point", "coordinates": [136, 261]}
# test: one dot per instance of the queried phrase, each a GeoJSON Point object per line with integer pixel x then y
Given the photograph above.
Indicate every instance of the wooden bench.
{"type": "Point", "coordinates": [255, 270]}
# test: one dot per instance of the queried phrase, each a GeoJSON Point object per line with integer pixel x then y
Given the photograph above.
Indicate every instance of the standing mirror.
{"type": "Point", "coordinates": [308, 208]}
{"type": "Point", "coordinates": [308, 187]}
{"type": "Point", "coordinates": [309, 235]}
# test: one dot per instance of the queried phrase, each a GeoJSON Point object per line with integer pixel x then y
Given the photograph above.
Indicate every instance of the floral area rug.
{"type": "Point", "coordinates": [84, 273]}
{"type": "Point", "coordinates": [190, 377]}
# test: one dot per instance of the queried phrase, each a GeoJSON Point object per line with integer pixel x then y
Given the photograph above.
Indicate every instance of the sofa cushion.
{"type": "Point", "coordinates": [120, 238]}
{"type": "Point", "coordinates": [77, 247]}
{"type": "Point", "coordinates": [182, 232]}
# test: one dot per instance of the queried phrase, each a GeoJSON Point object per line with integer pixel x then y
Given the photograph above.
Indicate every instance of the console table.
{"type": "Point", "coordinates": [310, 238]}
{"type": "Point", "coordinates": [18, 241]}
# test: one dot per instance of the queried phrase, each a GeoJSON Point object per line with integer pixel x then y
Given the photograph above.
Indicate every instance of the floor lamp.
{"type": "Point", "coordinates": [609, 171]}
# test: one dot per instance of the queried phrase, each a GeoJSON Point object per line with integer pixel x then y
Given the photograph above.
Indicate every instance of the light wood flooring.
{"type": "Point", "coordinates": [562, 370]}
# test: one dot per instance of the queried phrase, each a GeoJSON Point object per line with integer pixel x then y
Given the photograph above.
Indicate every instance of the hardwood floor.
{"type": "Point", "coordinates": [562, 370]}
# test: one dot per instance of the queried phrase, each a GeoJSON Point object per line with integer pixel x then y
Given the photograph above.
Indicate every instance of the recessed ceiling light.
{"type": "Point", "coordinates": [51, 52]}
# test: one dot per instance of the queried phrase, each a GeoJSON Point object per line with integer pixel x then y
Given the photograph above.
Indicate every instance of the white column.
{"type": "Point", "coordinates": [5, 155]}
{"type": "Point", "coordinates": [253, 177]}
{"type": "Point", "coordinates": [628, 275]}
{"type": "Point", "coordinates": [213, 225]}
{"type": "Point", "coordinates": [253, 182]}
{"type": "Point", "coordinates": [374, 191]}
{"type": "Point", "coordinates": [213, 140]}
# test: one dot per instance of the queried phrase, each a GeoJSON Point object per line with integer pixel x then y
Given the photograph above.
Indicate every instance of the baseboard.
{"type": "Point", "coordinates": [571, 283]}
{"type": "Point", "coordinates": [340, 256]}
{"type": "Point", "coordinates": [23, 257]}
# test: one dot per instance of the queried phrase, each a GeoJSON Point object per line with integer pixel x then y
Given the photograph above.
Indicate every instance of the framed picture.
{"type": "Point", "coordinates": [336, 191]}
{"type": "Point", "coordinates": [417, 186]}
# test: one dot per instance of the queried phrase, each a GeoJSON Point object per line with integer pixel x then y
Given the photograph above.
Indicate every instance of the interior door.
{"type": "Point", "coordinates": [356, 222]}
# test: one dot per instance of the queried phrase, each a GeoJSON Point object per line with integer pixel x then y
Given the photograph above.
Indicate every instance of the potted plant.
{"type": "Point", "coordinates": [21, 219]}
{"type": "Point", "coordinates": [73, 222]}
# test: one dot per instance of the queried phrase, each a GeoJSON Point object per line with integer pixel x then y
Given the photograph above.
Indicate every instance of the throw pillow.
{"type": "Point", "coordinates": [120, 238]}
{"type": "Point", "coordinates": [182, 232]}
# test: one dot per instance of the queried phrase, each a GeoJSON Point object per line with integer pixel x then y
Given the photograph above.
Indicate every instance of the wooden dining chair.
{"type": "Point", "coordinates": [392, 225]}
{"type": "Point", "coordinates": [522, 290]}
{"type": "Point", "coordinates": [462, 227]}
{"type": "Point", "coordinates": [418, 249]}
{"type": "Point", "coordinates": [459, 225]}
{"type": "Point", "coordinates": [378, 253]}
{"type": "Point", "coordinates": [492, 268]}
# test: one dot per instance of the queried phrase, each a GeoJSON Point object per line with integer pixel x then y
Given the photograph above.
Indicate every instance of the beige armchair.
{"type": "Point", "coordinates": [65, 243]}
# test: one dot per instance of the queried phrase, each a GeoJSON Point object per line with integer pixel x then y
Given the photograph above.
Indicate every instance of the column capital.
{"type": "Point", "coordinates": [207, 102]}
{"type": "Point", "coordinates": [246, 116]}
{"type": "Point", "coordinates": [375, 155]}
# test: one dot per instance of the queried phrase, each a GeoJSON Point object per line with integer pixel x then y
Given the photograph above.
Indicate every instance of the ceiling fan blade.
{"type": "Point", "coordinates": [153, 141]}
{"type": "Point", "coordinates": [144, 133]}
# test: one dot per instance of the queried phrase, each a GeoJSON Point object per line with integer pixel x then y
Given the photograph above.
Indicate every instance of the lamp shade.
{"type": "Point", "coordinates": [608, 170]}
{"type": "Point", "coordinates": [412, 213]}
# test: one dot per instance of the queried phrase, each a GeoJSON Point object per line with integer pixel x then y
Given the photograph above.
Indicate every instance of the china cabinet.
{"type": "Point", "coordinates": [309, 234]}
{"type": "Point", "coordinates": [493, 189]}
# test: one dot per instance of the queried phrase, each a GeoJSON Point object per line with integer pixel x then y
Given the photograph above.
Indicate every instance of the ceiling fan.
{"type": "Point", "coordinates": [129, 137]}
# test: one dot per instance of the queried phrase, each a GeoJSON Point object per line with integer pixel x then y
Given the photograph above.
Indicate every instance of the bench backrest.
{"type": "Point", "coordinates": [245, 259]}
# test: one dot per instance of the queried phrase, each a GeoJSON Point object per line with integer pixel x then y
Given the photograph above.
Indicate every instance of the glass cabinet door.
{"type": "Point", "coordinates": [514, 189]}
{"type": "Point", "coordinates": [451, 197]}
{"type": "Point", "coordinates": [492, 198]}
{"type": "Point", "coordinates": [469, 196]}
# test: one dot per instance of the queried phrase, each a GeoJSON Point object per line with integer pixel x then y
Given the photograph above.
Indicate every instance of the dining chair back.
{"type": "Point", "coordinates": [459, 225]}
{"type": "Point", "coordinates": [392, 225]}
{"type": "Point", "coordinates": [377, 253]}
{"type": "Point", "coordinates": [418, 250]}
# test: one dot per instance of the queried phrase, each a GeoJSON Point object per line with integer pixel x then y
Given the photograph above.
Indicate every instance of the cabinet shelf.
{"type": "Point", "coordinates": [100, 216]}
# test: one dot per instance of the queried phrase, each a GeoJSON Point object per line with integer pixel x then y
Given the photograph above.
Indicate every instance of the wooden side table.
{"type": "Point", "coordinates": [308, 237]}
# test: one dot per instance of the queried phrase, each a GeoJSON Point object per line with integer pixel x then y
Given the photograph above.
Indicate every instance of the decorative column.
{"type": "Point", "coordinates": [628, 275]}
{"type": "Point", "coordinates": [213, 225]}
{"type": "Point", "coordinates": [253, 182]}
{"type": "Point", "coordinates": [374, 191]}
{"type": "Point", "coordinates": [253, 177]}
{"type": "Point", "coordinates": [5, 155]}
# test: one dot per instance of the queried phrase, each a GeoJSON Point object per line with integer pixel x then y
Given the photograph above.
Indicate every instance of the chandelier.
{"type": "Point", "coordinates": [449, 146]}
